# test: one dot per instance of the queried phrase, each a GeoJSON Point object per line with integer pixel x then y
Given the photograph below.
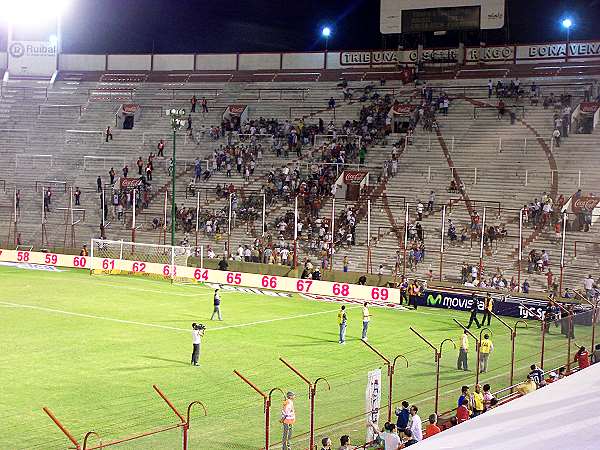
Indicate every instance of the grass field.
{"type": "Point", "coordinates": [90, 348]}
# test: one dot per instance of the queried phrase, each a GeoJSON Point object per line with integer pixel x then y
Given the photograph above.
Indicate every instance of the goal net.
{"type": "Point", "coordinates": [134, 258]}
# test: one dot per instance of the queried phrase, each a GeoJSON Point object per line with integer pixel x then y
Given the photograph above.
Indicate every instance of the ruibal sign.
{"type": "Point", "coordinates": [31, 58]}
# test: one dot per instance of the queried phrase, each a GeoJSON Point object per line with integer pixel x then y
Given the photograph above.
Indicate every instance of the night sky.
{"type": "Point", "coordinates": [204, 26]}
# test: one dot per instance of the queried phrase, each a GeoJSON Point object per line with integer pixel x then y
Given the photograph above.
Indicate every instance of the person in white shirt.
{"type": "Point", "coordinates": [240, 251]}
{"type": "Point", "coordinates": [210, 253]}
{"type": "Point", "coordinates": [197, 333]}
{"type": "Point", "coordinates": [588, 284]}
{"type": "Point", "coordinates": [366, 319]}
{"type": "Point", "coordinates": [420, 208]}
{"type": "Point", "coordinates": [390, 437]}
{"type": "Point", "coordinates": [416, 425]}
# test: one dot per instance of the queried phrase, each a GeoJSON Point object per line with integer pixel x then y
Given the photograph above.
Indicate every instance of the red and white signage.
{"type": "Point", "coordinates": [584, 204]}
{"type": "Point", "coordinates": [589, 107]}
{"type": "Point", "coordinates": [354, 176]}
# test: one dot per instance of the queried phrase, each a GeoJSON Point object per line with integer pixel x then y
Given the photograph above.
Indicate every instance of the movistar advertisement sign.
{"type": "Point", "coordinates": [31, 58]}
{"type": "Point", "coordinates": [450, 301]}
{"type": "Point", "coordinates": [504, 305]}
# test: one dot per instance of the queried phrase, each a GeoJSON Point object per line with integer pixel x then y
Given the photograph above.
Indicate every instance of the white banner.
{"type": "Point", "coordinates": [373, 402]}
{"type": "Point", "coordinates": [31, 58]}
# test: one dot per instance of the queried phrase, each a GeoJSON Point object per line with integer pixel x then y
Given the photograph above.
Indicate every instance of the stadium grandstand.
{"type": "Point", "coordinates": [400, 194]}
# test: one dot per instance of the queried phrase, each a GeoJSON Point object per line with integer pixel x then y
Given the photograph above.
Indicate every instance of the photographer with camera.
{"type": "Point", "coordinates": [197, 333]}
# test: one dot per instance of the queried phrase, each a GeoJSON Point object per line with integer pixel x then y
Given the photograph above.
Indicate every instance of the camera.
{"type": "Point", "coordinates": [198, 326]}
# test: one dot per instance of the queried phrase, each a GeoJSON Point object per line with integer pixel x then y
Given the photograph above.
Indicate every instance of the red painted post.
{"type": "Point", "coordinates": [62, 428]}
{"type": "Point", "coordinates": [543, 343]}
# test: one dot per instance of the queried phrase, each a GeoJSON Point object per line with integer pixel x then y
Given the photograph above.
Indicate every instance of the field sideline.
{"type": "Point", "coordinates": [90, 348]}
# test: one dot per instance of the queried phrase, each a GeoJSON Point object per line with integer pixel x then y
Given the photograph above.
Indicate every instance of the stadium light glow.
{"type": "Point", "coordinates": [326, 32]}
{"type": "Point", "coordinates": [53, 39]}
{"type": "Point", "coordinates": [26, 12]}
{"type": "Point", "coordinates": [567, 23]}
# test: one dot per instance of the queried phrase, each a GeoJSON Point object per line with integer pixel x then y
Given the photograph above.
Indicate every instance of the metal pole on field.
{"type": "Point", "coordinates": [438, 357]}
{"type": "Point", "coordinates": [513, 336]}
{"type": "Point", "coordinates": [296, 232]}
{"type": "Point", "coordinates": [62, 428]}
{"type": "Point", "coordinates": [405, 240]}
{"type": "Point", "coordinates": [266, 403]}
{"type": "Point", "coordinates": [477, 347]}
{"type": "Point", "coordinates": [391, 366]}
{"type": "Point", "coordinates": [481, 247]}
{"type": "Point", "coordinates": [312, 392]}
{"type": "Point", "coordinates": [442, 234]}
{"type": "Point", "coordinates": [562, 251]}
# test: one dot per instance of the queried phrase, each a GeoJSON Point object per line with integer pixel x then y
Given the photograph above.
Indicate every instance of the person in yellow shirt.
{"type": "Point", "coordinates": [342, 319]}
{"type": "Point", "coordinates": [366, 319]}
{"type": "Point", "coordinates": [527, 387]}
{"type": "Point", "coordinates": [288, 418]}
{"type": "Point", "coordinates": [462, 363]}
{"type": "Point", "coordinates": [487, 310]}
{"type": "Point", "coordinates": [477, 400]}
{"type": "Point", "coordinates": [485, 348]}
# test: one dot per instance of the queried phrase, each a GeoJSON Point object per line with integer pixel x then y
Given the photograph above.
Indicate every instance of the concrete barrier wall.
{"type": "Point", "coordinates": [82, 62]}
{"type": "Point", "coordinates": [173, 62]}
{"type": "Point", "coordinates": [3, 60]}
{"type": "Point", "coordinates": [129, 62]}
{"type": "Point", "coordinates": [260, 61]}
{"type": "Point", "coordinates": [225, 61]}
{"type": "Point", "coordinates": [303, 60]}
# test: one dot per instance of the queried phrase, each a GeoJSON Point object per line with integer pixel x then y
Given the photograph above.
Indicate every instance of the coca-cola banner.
{"type": "Point", "coordinates": [589, 107]}
{"type": "Point", "coordinates": [130, 183]}
{"type": "Point", "coordinates": [354, 176]}
{"type": "Point", "coordinates": [237, 109]}
{"type": "Point", "coordinates": [130, 108]}
{"type": "Point", "coordinates": [403, 109]}
{"type": "Point", "coordinates": [584, 204]}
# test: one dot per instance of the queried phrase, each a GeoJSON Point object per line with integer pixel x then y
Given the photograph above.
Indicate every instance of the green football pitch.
{"type": "Point", "coordinates": [91, 347]}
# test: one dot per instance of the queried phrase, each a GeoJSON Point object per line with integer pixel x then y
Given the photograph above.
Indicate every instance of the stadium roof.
{"type": "Point", "coordinates": [562, 415]}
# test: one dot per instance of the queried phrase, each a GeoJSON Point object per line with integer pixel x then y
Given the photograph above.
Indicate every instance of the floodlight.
{"type": "Point", "coordinates": [326, 32]}
{"type": "Point", "coordinates": [26, 12]}
{"type": "Point", "coordinates": [567, 23]}
{"type": "Point", "coordinates": [53, 39]}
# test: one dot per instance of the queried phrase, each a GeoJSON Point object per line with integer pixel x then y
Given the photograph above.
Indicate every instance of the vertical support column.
{"type": "Point", "coordinates": [405, 239]}
{"type": "Point", "coordinates": [197, 216]}
{"type": "Point", "coordinates": [520, 255]}
{"type": "Point", "coordinates": [562, 251]}
{"type": "Point", "coordinates": [331, 249]}
{"type": "Point", "coordinates": [481, 245]}
{"type": "Point", "coordinates": [295, 231]}
{"type": "Point", "coordinates": [442, 235]}
{"type": "Point", "coordinates": [264, 215]}
{"type": "Point", "coordinates": [133, 216]}
{"type": "Point", "coordinates": [369, 267]}
{"type": "Point", "coordinates": [229, 228]}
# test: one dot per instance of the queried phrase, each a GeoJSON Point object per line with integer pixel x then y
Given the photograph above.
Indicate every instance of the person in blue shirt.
{"type": "Point", "coordinates": [464, 394]}
{"type": "Point", "coordinates": [403, 415]}
{"type": "Point", "coordinates": [525, 287]}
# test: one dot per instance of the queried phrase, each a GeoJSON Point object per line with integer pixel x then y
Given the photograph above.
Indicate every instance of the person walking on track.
{"type": "Point", "coordinates": [474, 308]}
{"type": "Point", "coordinates": [216, 306]}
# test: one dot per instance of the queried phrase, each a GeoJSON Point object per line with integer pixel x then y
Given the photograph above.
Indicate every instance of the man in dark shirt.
{"type": "Point", "coordinates": [409, 438]}
{"type": "Point", "coordinates": [403, 416]}
{"type": "Point", "coordinates": [474, 308]}
{"type": "Point", "coordinates": [216, 306]}
{"type": "Point", "coordinates": [223, 265]}
{"type": "Point", "coordinates": [537, 375]}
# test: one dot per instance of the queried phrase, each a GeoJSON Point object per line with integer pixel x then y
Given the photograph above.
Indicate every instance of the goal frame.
{"type": "Point", "coordinates": [101, 264]}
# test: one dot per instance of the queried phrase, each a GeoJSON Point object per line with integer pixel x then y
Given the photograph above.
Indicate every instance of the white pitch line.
{"type": "Point", "coordinates": [91, 316]}
{"type": "Point", "coordinates": [276, 319]}
{"type": "Point", "coordinates": [166, 327]}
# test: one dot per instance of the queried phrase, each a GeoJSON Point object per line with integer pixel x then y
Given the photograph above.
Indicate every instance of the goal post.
{"type": "Point", "coordinates": [134, 258]}
{"type": "Point", "coordinates": [84, 136]}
